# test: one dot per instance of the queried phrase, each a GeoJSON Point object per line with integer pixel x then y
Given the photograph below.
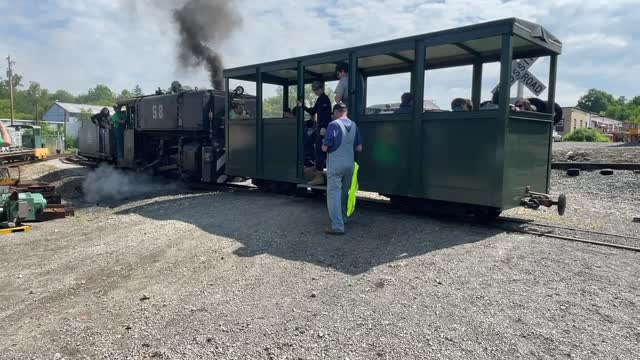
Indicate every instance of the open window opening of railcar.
{"type": "Point", "coordinates": [239, 108]}
{"type": "Point", "coordinates": [389, 94]}
{"type": "Point", "coordinates": [443, 87]}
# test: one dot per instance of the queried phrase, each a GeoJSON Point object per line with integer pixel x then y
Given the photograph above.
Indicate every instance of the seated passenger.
{"type": "Point", "coordinates": [493, 104]}
{"type": "Point", "coordinates": [540, 106]}
{"type": "Point", "coordinates": [237, 112]}
{"type": "Point", "coordinates": [523, 105]}
{"type": "Point", "coordinates": [460, 104]}
{"type": "Point", "coordinates": [406, 104]}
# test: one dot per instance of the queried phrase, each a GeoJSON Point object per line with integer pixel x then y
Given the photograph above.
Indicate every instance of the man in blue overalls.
{"type": "Point", "coordinates": [341, 141]}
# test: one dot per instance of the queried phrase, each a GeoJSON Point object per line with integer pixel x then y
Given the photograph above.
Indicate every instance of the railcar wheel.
{"type": "Point", "coordinates": [486, 214]}
{"type": "Point", "coordinates": [562, 204]}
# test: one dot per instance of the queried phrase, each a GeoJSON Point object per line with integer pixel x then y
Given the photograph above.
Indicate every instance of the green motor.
{"type": "Point", "coordinates": [21, 207]}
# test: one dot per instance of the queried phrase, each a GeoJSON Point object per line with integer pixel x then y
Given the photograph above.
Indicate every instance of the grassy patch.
{"type": "Point", "coordinates": [586, 135]}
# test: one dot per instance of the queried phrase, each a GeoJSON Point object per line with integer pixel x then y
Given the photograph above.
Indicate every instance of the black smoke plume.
{"type": "Point", "coordinates": [203, 24]}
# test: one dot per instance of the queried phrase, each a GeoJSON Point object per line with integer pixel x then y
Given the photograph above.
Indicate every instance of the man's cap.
{"type": "Point", "coordinates": [317, 85]}
{"type": "Point", "coordinates": [340, 107]}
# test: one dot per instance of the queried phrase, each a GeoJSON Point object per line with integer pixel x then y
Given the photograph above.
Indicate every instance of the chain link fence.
{"type": "Point", "coordinates": [53, 142]}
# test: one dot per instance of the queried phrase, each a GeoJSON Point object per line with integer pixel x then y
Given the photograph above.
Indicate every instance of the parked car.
{"type": "Point", "coordinates": [556, 136]}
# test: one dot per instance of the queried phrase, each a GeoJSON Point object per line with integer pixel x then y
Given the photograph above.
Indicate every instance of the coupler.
{"type": "Point", "coordinates": [534, 200]}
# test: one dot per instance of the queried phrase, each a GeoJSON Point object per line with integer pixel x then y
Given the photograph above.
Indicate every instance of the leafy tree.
{"type": "Point", "coordinates": [5, 111]}
{"type": "Point", "coordinates": [137, 91]}
{"type": "Point", "coordinates": [4, 86]}
{"type": "Point", "coordinates": [596, 101]}
{"type": "Point", "coordinates": [125, 94]}
{"type": "Point", "coordinates": [33, 98]}
{"type": "Point", "coordinates": [100, 95]}
{"type": "Point", "coordinates": [63, 96]}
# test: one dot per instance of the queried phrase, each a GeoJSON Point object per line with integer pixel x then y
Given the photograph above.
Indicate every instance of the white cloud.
{"type": "Point", "coordinates": [595, 40]}
{"type": "Point", "coordinates": [74, 45]}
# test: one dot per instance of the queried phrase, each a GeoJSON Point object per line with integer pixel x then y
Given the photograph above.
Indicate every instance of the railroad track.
{"type": "Point", "coordinates": [32, 161]}
{"type": "Point", "coordinates": [598, 238]}
{"type": "Point", "coordinates": [514, 225]}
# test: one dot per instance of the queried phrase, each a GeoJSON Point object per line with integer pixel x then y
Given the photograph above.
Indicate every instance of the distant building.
{"type": "Point", "coordinates": [69, 115]}
{"type": "Point", "coordinates": [574, 118]}
{"type": "Point", "coordinates": [631, 131]}
{"type": "Point", "coordinates": [387, 108]}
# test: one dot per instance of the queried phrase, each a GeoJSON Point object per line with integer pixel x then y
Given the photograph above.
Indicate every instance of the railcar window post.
{"type": "Point", "coordinates": [226, 113]}
{"type": "Point", "coordinates": [476, 87]}
{"type": "Point", "coordinates": [353, 78]}
{"type": "Point", "coordinates": [285, 100]}
{"type": "Point", "coordinates": [417, 89]}
{"type": "Point", "coordinates": [259, 122]}
{"type": "Point", "coordinates": [300, 120]}
{"type": "Point", "coordinates": [506, 58]}
{"type": "Point", "coordinates": [553, 70]}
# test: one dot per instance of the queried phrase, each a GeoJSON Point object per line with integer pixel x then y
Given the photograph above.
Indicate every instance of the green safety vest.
{"type": "Point", "coordinates": [351, 203]}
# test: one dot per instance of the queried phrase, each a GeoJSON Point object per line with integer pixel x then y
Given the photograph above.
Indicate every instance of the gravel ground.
{"type": "Point", "coordinates": [596, 152]}
{"type": "Point", "coordinates": [245, 275]}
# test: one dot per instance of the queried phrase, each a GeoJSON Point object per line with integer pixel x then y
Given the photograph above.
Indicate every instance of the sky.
{"type": "Point", "coordinates": [74, 44]}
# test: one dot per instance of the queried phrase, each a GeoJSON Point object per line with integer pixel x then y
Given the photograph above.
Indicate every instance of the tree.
{"type": "Point", "coordinates": [125, 94]}
{"type": "Point", "coordinates": [622, 100]}
{"type": "Point", "coordinates": [5, 111]}
{"type": "Point", "coordinates": [596, 101]}
{"type": "Point", "coordinates": [100, 95]}
{"type": "Point", "coordinates": [137, 91]}
{"type": "Point", "coordinates": [63, 96]}
{"type": "Point", "coordinates": [4, 86]}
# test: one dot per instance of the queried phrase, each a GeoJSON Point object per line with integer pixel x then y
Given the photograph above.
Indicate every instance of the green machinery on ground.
{"type": "Point", "coordinates": [20, 207]}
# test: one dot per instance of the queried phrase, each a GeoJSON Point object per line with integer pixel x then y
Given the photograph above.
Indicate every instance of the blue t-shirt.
{"type": "Point", "coordinates": [333, 138]}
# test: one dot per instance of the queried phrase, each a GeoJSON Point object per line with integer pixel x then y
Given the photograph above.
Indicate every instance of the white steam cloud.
{"type": "Point", "coordinates": [109, 183]}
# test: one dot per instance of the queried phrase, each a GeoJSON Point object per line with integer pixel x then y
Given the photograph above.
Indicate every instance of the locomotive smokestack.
{"type": "Point", "coordinates": [202, 23]}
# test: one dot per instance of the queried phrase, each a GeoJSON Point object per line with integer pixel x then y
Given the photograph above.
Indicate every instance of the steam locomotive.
{"type": "Point", "coordinates": [180, 133]}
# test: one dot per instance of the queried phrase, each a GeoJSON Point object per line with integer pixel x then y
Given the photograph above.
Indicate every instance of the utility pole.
{"type": "Point", "coordinates": [10, 77]}
{"type": "Point", "coordinates": [520, 90]}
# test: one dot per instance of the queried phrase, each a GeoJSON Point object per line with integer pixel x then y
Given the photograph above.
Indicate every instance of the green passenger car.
{"type": "Point", "coordinates": [492, 159]}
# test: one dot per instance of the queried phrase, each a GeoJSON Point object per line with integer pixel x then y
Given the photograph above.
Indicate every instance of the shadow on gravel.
{"type": "Point", "coordinates": [63, 174]}
{"type": "Point", "coordinates": [292, 228]}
